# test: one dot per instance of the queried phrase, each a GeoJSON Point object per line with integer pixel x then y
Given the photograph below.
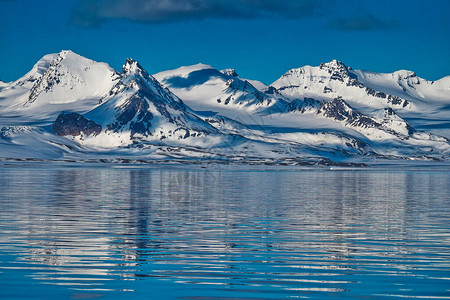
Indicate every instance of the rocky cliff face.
{"type": "Point", "coordinates": [338, 110]}
{"type": "Point", "coordinates": [74, 124]}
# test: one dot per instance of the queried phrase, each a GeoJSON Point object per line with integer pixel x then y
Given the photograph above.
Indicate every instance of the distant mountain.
{"type": "Point", "coordinates": [325, 98]}
{"type": "Point", "coordinates": [206, 88]}
{"type": "Point", "coordinates": [425, 103]}
{"type": "Point", "coordinates": [70, 107]}
{"type": "Point", "coordinates": [332, 80]}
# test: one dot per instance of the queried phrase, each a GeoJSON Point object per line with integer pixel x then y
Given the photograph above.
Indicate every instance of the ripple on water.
{"type": "Point", "coordinates": [211, 234]}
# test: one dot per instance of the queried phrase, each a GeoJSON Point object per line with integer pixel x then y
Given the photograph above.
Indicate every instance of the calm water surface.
{"type": "Point", "coordinates": [192, 233]}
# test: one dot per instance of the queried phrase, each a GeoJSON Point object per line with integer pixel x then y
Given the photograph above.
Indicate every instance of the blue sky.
{"type": "Point", "coordinates": [261, 39]}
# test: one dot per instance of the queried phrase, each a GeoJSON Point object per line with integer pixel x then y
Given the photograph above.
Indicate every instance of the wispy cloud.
{"type": "Point", "coordinates": [364, 23]}
{"type": "Point", "coordinates": [94, 12]}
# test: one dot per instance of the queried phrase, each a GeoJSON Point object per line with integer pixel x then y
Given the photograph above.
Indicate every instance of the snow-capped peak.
{"type": "Point", "coordinates": [138, 107]}
{"type": "Point", "coordinates": [65, 53]}
{"type": "Point", "coordinates": [334, 64]}
{"type": "Point", "coordinates": [131, 109]}
{"type": "Point", "coordinates": [229, 72]}
{"type": "Point", "coordinates": [135, 79]}
{"type": "Point", "coordinates": [70, 72]}
{"type": "Point", "coordinates": [404, 74]}
{"type": "Point", "coordinates": [61, 78]}
{"type": "Point", "coordinates": [132, 66]}
{"type": "Point", "coordinates": [336, 68]}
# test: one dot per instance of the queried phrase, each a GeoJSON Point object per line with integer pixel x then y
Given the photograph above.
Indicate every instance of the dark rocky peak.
{"type": "Point", "coordinates": [390, 114]}
{"type": "Point", "coordinates": [74, 124]}
{"type": "Point", "coordinates": [145, 100]}
{"type": "Point", "coordinates": [229, 72]}
{"type": "Point", "coordinates": [339, 110]}
{"type": "Point", "coordinates": [394, 100]}
{"type": "Point", "coordinates": [242, 92]}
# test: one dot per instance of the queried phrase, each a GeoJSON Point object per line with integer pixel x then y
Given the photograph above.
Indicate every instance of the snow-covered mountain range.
{"type": "Point", "coordinates": [69, 107]}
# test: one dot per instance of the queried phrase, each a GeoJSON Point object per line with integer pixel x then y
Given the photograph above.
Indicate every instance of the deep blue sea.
{"type": "Point", "coordinates": [165, 232]}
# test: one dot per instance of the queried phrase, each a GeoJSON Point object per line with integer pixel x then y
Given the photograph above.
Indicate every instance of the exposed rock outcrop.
{"type": "Point", "coordinates": [74, 124]}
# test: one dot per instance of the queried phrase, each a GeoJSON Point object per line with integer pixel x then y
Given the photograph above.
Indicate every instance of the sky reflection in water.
{"type": "Point", "coordinates": [202, 234]}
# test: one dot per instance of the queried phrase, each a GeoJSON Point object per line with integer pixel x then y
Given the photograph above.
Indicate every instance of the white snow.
{"type": "Point", "coordinates": [203, 113]}
{"type": "Point", "coordinates": [428, 102]}
{"type": "Point", "coordinates": [57, 82]}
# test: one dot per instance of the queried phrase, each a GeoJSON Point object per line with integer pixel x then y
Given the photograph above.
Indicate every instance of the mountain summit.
{"type": "Point", "coordinates": [60, 79]}
{"type": "Point", "coordinates": [70, 106]}
{"type": "Point", "coordinates": [139, 108]}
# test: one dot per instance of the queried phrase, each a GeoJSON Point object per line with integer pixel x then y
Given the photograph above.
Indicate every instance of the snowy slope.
{"type": "Point", "coordinates": [431, 99]}
{"type": "Point", "coordinates": [70, 107]}
{"type": "Point", "coordinates": [17, 92]}
{"type": "Point", "coordinates": [334, 130]}
{"type": "Point", "coordinates": [386, 126]}
{"type": "Point", "coordinates": [33, 142]}
{"type": "Point", "coordinates": [58, 81]}
{"type": "Point", "coordinates": [139, 108]}
{"type": "Point", "coordinates": [334, 79]}
{"type": "Point", "coordinates": [199, 85]}
{"type": "Point", "coordinates": [205, 88]}
{"type": "Point", "coordinates": [408, 85]}
{"type": "Point", "coordinates": [425, 104]}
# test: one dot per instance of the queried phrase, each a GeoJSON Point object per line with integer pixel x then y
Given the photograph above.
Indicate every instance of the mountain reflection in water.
{"type": "Point", "coordinates": [193, 233]}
